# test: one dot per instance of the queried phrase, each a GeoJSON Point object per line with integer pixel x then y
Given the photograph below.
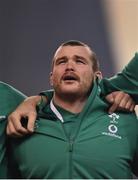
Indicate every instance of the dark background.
{"type": "Point", "coordinates": [31, 30]}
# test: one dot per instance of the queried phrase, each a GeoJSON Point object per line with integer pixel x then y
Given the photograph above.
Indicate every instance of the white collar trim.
{"type": "Point", "coordinates": [55, 111]}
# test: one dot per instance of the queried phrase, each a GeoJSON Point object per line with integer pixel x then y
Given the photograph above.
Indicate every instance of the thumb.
{"type": "Point", "coordinates": [31, 122]}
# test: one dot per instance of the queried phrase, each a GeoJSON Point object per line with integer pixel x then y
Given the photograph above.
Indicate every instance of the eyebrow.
{"type": "Point", "coordinates": [81, 57]}
{"type": "Point", "coordinates": [62, 57]}
{"type": "Point", "coordinates": [65, 57]}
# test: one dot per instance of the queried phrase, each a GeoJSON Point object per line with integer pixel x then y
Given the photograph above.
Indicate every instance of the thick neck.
{"type": "Point", "coordinates": [70, 104]}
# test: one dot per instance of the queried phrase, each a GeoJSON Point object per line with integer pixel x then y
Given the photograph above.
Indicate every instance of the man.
{"type": "Point", "coordinates": [75, 137]}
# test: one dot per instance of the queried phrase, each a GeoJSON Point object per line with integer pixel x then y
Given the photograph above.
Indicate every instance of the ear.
{"type": "Point", "coordinates": [51, 78]}
{"type": "Point", "coordinates": [98, 74]}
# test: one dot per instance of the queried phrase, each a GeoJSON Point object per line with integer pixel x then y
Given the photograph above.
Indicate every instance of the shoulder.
{"type": "Point", "coordinates": [6, 89]}
{"type": "Point", "coordinates": [10, 98]}
{"type": "Point", "coordinates": [4, 85]}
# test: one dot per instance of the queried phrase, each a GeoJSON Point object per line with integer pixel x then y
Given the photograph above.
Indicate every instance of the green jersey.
{"type": "Point", "coordinates": [91, 144]}
{"type": "Point", "coordinates": [9, 100]}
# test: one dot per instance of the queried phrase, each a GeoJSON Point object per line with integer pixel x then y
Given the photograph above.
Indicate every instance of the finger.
{"type": "Point", "coordinates": [130, 104]}
{"type": "Point", "coordinates": [14, 118]}
{"type": "Point", "coordinates": [31, 121]}
{"type": "Point", "coordinates": [118, 97]}
{"type": "Point", "coordinates": [116, 102]}
{"type": "Point", "coordinates": [10, 130]}
{"type": "Point", "coordinates": [15, 122]}
{"type": "Point", "coordinates": [110, 98]}
{"type": "Point", "coordinates": [132, 108]}
{"type": "Point", "coordinates": [127, 103]}
{"type": "Point", "coordinates": [112, 108]}
{"type": "Point", "coordinates": [125, 100]}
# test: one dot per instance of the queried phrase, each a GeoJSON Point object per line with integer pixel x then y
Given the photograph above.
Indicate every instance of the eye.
{"type": "Point", "coordinates": [61, 61]}
{"type": "Point", "coordinates": [80, 61]}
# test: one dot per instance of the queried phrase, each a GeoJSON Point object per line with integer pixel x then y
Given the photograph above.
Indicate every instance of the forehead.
{"type": "Point", "coordinates": [71, 51]}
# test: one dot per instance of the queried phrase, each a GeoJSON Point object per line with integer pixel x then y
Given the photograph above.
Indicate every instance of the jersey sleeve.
{"type": "Point", "coordinates": [126, 81]}
{"type": "Point", "coordinates": [9, 100]}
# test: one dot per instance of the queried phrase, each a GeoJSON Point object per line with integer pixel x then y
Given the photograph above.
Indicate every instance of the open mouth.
{"type": "Point", "coordinates": [70, 77]}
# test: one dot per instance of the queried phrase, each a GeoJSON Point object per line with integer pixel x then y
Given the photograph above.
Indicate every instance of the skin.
{"type": "Point", "coordinates": [25, 109]}
{"type": "Point", "coordinates": [120, 101]}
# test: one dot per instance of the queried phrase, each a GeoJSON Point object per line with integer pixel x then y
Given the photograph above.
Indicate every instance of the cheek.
{"type": "Point", "coordinates": [56, 76]}
{"type": "Point", "coordinates": [87, 81]}
{"type": "Point", "coordinates": [88, 76]}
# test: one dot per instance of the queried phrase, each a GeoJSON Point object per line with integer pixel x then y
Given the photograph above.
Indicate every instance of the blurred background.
{"type": "Point", "coordinates": [31, 30]}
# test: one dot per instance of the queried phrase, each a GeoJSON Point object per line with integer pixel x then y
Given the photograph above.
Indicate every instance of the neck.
{"type": "Point", "coordinates": [70, 104]}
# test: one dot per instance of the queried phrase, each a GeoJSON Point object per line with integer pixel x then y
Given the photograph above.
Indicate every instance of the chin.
{"type": "Point", "coordinates": [71, 89]}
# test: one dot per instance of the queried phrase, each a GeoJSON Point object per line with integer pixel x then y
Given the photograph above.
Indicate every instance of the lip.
{"type": "Point", "coordinates": [70, 77]}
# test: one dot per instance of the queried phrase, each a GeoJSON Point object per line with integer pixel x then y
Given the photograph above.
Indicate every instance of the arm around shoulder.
{"type": "Point", "coordinates": [126, 80]}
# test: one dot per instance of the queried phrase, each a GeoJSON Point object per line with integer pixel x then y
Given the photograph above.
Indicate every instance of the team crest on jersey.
{"type": "Point", "coordinates": [112, 129]}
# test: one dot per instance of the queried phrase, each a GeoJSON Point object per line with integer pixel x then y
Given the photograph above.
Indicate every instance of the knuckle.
{"type": "Point", "coordinates": [33, 113]}
{"type": "Point", "coordinates": [18, 129]}
{"type": "Point", "coordinates": [12, 115]}
{"type": "Point", "coordinates": [127, 96]}
{"type": "Point", "coordinates": [127, 107]}
{"type": "Point", "coordinates": [118, 93]}
{"type": "Point", "coordinates": [116, 103]}
{"type": "Point", "coordinates": [121, 106]}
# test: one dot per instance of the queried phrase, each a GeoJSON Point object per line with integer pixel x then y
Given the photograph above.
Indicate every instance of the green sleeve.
{"type": "Point", "coordinates": [126, 81]}
{"type": "Point", "coordinates": [3, 157]}
{"type": "Point", "coordinates": [9, 100]}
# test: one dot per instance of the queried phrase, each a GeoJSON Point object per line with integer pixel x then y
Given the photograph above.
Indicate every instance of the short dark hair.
{"type": "Point", "coordinates": [73, 43]}
{"type": "Point", "coordinates": [94, 58]}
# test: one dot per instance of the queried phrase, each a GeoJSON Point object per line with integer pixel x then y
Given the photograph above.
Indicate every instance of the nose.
{"type": "Point", "coordinates": [70, 66]}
